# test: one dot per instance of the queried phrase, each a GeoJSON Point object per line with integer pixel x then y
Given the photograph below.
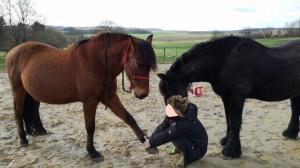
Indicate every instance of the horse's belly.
{"type": "Point", "coordinates": [49, 89]}
{"type": "Point", "coordinates": [49, 93]}
{"type": "Point", "coordinates": [274, 94]}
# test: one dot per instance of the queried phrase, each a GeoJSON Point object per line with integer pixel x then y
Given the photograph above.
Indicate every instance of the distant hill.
{"type": "Point", "coordinates": [133, 30]}
{"type": "Point", "coordinates": [95, 29]}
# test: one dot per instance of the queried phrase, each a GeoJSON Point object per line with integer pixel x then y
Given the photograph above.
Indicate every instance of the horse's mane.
{"type": "Point", "coordinates": [98, 37]}
{"type": "Point", "coordinates": [145, 48]}
{"type": "Point", "coordinates": [82, 41]}
{"type": "Point", "coordinates": [147, 53]}
{"type": "Point", "coordinates": [216, 47]}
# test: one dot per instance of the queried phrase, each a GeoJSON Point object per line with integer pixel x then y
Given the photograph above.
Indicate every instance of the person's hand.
{"type": "Point", "coordinates": [147, 143]}
{"type": "Point", "coordinates": [152, 150]}
{"type": "Point", "coordinates": [149, 149]}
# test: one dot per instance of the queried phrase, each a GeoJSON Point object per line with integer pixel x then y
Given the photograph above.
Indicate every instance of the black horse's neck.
{"type": "Point", "coordinates": [203, 61]}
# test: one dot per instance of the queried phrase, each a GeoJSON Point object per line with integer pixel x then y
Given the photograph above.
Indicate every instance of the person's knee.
{"type": "Point", "coordinates": [182, 146]}
{"type": "Point", "coordinates": [195, 154]}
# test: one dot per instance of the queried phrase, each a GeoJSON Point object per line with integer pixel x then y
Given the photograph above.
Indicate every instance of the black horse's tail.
{"type": "Point", "coordinates": [33, 123]}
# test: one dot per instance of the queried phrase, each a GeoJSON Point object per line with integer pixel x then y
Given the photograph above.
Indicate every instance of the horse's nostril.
{"type": "Point", "coordinates": [143, 95]}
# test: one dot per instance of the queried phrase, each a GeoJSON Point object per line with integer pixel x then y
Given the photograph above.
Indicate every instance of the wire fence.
{"type": "Point", "coordinates": [163, 55]}
{"type": "Point", "coordinates": [168, 54]}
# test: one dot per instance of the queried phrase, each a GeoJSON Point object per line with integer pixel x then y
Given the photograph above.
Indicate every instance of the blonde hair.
{"type": "Point", "coordinates": [179, 103]}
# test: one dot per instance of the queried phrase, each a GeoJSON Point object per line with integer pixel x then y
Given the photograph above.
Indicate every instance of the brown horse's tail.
{"type": "Point", "coordinates": [33, 123]}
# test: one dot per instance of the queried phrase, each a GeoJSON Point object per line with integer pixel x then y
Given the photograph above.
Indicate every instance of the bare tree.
{"type": "Point", "coordinates": [217, 34]}
{"type": "Point", "coordinates": [267, 32]}
{"type": "Point", "coordinates": [247, 32]}
{"type": "Point", "coordinates": [110, 26]}
{"type": "Point", "coordinates": [297, 27]}
{"type": "Point", "coordinates": [279, 32]}
{"type": "Point", "coordinates": [18, 14]}
{"type": "Point", "coordinates": [292, 29]}
{"type": "Point", "coordinates": [3, 33]}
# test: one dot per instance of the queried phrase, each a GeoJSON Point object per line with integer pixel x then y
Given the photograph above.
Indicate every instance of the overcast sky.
{"type": "Point", "coordinates": [171, 14]}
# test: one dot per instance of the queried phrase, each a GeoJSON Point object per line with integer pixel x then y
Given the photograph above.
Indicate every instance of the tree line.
{"type": "Point", "coordinates": [19, 22]}
{"type": "Point", "coordinates": [60, 37]}
{"type": "Point", "coordinates": [291, 29]}
{"type": "Point", "coordinates": [17, 34]}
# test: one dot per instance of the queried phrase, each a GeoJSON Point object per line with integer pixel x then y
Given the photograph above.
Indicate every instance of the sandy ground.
{"type": "Point", "coordinates": [64, 146]}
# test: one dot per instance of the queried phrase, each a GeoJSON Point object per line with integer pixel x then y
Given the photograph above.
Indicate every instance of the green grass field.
{"type": "Point", "coordinates": [172, 45]}
{"type": "Point", "coordinates": [183, 41]}
{"type": "Point", "coordinates": [2, 61]}
{"type": "Point", "coordinates": [183, 46]}
{"type": "Point", "coordinates": [273, 42]}
{"type": "Point", "coordinates": [175, 36]}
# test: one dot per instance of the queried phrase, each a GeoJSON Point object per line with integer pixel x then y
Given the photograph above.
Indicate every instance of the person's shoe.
{"type": "Point", "coordinates": [180, 163]}
{"type": "Point", "coordinates": [173, 151]}
{"type": "Point", "coordinates": [152, 150]}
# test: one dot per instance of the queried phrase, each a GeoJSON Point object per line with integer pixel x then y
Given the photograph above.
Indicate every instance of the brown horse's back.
{"type": "Point", "coordinates": [46, 73]}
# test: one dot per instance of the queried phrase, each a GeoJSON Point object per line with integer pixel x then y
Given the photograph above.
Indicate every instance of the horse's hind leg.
{"type": "Point", "coordinates": [293, 128]}
{"type": "Point", "coordinates": [89, 108]}
{"type": "Point", "coordinates": [19, 97]}
{"type": "Point", "coordinates": [33, 123]}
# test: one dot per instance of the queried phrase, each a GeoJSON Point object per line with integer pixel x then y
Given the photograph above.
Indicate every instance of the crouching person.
{"type": "Point", "coordinates": [181, 127]}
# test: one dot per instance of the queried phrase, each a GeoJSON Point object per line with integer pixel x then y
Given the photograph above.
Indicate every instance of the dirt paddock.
{"type": "Point", "coordinates": [64, 146]}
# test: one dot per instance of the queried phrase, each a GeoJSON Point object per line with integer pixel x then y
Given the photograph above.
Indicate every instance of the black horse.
{"type": "Point", "coordinates": [239, 68]}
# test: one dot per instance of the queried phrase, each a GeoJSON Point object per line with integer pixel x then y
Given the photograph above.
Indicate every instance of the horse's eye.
{"type": "Point", "coordinates": [166, 83]}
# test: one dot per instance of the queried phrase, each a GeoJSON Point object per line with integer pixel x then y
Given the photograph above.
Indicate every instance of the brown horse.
{"type": "Point", "coordinates": [85, 72]}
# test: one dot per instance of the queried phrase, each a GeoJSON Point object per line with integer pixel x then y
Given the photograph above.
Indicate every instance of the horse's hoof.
{"type": "Point", "coordinates": [94, 154]}
{"type": "Point", "coordinates": [226, 157]}
{"type": "Point", "coordinates": [98, 158]}
{"type": "Point", "coordinates": [231, 153]}
{"type": "Point", "coordinates": [42, 131]}
{"type": "Point", "coordinates": [142, 138]}
{"type": "Point", "coordinates": [290, 133]}
{"type": "Point", "coordinates": [36, 131]}
{"type": "Point", "coordinates": [24, 143]}
{"type": "Point", "coordinates": [224, 141]}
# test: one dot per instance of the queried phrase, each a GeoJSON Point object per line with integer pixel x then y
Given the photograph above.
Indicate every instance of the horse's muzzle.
{"type": "Point", "coordinates": [141, 96]}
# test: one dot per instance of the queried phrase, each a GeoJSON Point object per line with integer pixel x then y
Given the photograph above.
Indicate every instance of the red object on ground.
{"type": "Point", "coordinates": [197, 91]}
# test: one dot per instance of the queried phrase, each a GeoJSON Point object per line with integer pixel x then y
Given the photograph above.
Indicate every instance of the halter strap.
{"type": "Point", "coordinates": [123, 84]}
{"type": "Point", "coordinates": [127, 69]}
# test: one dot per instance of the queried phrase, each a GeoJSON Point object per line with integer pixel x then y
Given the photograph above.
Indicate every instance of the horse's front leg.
{"type": "Point", "coordinates": [234, 106]}
{"type": "Point", "coordinates": [224, 140]}
{"type": "Point", "coordinates": [116, 107]}
{"type": "Point", "coordinates": [89, 108]}
{"type": "Point", "coordinates": [293, 128]}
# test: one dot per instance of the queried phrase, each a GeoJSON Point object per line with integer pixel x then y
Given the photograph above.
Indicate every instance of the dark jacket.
{"type": "Point", "coordinates": [187, 127]}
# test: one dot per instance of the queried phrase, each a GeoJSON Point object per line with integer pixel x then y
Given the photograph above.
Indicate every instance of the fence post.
{"type": "Point", "coordinates": [176, 53]}
{"type": "Point", "coordinates": [164, 54]}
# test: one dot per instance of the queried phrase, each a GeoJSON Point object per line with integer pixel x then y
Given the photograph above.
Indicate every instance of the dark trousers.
{"type": "Point", "coordinates": [190, 151]}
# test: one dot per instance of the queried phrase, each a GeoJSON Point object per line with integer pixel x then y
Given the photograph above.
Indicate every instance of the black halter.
{"type": "Point", "coordinates": [106, 68]}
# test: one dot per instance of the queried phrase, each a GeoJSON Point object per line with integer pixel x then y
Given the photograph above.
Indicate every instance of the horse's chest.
{"type": "Point", "coordinates": [219, 90]}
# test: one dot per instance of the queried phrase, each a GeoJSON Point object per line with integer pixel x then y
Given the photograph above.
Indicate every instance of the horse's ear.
{"type": "Point", "coordinates": [149, 38]}
{"type": "Point", "coordinates": [162, 76]}
{"type": "Point", "coordinates": [130, 44]}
